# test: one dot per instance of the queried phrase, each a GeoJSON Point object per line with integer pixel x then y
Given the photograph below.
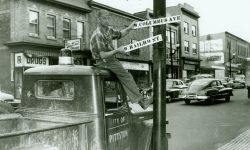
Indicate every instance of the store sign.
{"type": "Point", "coordinates": [215, 57]}
{"type": "Point", "coordinates": [23, 61]}
{"type": "Point", "coordinates": [135, 66]}
{"type": "Point", "coordinates": [143, 43]}
{"type": "Point", "coordinates": [73, 44]}
{"type": "Point", "coordinates": [155, 22]}
{"type": "Point", "coordinates": [211, 45]}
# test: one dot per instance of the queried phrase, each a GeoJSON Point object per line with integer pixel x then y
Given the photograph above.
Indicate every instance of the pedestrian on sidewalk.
{"type": "Point", "coordinates": [104, 54]}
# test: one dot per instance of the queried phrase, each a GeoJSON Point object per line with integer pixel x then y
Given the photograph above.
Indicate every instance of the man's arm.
{"type": "Point", "coordinates": [113, 52]}
{"type": "Point", "coordinates": [106, 54]}
{"type": "Point", "coordinates": [125, 31]}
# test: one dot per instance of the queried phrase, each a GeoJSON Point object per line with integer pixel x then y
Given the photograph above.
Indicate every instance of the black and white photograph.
{"type": "Point", "coordinates": [124, 75]}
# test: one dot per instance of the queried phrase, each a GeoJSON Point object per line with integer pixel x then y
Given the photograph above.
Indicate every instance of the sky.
{"type": "Point", "coordinates": [215, 15]}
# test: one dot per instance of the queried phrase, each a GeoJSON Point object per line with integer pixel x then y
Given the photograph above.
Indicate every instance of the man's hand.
{"type": "Point", "coordinates": [121, 50]}
{"type": "Point", "coordinates": [131, 26]}
{"type": "Point", "coordinates": [126, 30]}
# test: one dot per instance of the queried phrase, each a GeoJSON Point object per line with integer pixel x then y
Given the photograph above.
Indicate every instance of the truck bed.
{"type": "Point", "coordinates": [62, 130]}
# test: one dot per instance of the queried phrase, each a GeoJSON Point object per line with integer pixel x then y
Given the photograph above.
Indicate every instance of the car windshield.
{"type": "Point", "coordinates": [169, 83]}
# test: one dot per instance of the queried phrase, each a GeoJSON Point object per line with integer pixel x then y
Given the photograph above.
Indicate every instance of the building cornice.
{"type": "Point", "coordinates": [114, 10]}
{"type": "Point", "coordinates": [85, 7]}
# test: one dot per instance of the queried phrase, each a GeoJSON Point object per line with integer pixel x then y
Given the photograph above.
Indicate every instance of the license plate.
{"type": "Point", "coordinates": [191, 96]}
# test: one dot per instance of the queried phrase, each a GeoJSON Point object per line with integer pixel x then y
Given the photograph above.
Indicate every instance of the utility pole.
{"type": "Point", "coordinates": [171, 52]}
{"type": "Point", "coordinates": [159, 140]}
{"type": "Point", "coordinates": [229, 48]}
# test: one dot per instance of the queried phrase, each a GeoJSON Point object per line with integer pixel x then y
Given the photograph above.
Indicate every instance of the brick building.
{"type": "Point", "coordinates": [33, 32]}
{"type": "Point", "coordinates": [221, 49]}
{"type": "Point", "coordinates": [188, 38]}
{"type": "Point", "coordinates": [173, 29]}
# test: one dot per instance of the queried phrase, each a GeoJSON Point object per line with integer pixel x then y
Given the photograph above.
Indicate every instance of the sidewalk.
{"type": "Point", "coordinates": [241, 142]}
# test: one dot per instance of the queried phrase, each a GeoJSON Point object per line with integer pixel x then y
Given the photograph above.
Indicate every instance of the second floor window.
{"type": "Point", "coordinates": [194, 47]}
{"type": "Point", "coordinates": [173, 35]}
{"type": "Point", "coordinates": [80, 30]}
{"type": "Point", "coordinates": [186, 46]}
{"type": "Point", "coordinates": [186, 29]}
{"type": "Point", "coordinates": [33, 22]}
{"type": "Point", "coordinates": [66, 29]}
{"type": "Point", "coordinates": [51, 26]}
{"type": "Point", "coordinates": [194, 30]}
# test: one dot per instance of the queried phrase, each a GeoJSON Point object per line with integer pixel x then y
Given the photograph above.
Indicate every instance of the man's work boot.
{"type": "Point", "coordinates": [145, 102]}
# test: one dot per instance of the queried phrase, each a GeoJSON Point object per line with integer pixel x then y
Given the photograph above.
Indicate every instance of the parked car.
{"type": "Point", "coordinates": [174, 88]}
{"type": "Point", "coordinates": [238, 84]}
{"type": "Point", "coordinates": [208, 89]}
{"type": "Point", "coordinates": [227, 82]}
{"type": "Point", "coordinates": [5, 102]}
{"type": "Point", "coordinates": [146, 92]}
{"type": "Point", "coordinates": [6, 97]}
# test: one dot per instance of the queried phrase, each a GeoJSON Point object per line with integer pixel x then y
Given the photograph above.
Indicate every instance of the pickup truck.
{"type": "Point", "coordinates": [72, 107]}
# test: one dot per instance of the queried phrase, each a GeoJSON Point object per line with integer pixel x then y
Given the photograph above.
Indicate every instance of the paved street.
{"type": "Point", "coordinates": [222, 126]}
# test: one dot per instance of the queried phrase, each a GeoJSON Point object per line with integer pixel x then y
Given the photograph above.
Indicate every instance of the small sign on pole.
{"type": "Point", "coordinates": [73, 44]}
{"type": "Point", "coordinates": [143, 43]}
{"type": "Point", "coordinates": [158, 21]}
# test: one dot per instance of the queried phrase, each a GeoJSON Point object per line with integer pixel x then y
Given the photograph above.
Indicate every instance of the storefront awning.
{"type": "Point", "coordinates": [41, 53]}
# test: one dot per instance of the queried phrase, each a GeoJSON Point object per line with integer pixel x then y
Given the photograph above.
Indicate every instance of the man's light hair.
{"type": "Point", "coordinates": [102, 12]}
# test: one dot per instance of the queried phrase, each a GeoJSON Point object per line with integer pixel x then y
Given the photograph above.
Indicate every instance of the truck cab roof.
{"type": "Point", "coordinates": [68, 70]}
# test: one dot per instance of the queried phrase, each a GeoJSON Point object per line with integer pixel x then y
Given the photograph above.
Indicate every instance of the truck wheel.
{"type": "Point", "coordinates": [227, 98]}
{"type": "Point", "coordinates": [187, 101]}
{"type": "Point", "coordinates": [5, 108]}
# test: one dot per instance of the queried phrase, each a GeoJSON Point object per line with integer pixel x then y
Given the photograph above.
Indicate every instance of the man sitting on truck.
{"type": "Point", "coordinates": [104, 54]}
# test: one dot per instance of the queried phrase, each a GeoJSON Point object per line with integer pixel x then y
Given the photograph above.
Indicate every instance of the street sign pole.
{"type": "Point", "coordinates": [159, 140]}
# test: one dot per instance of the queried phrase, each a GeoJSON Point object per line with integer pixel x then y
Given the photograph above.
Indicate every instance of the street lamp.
{"type": "Point", "coordinates": [230, 57]}
{"type": "Point", "coordinates": [172, 52]}
{"type": "Point", "coordinates": [230, 62]}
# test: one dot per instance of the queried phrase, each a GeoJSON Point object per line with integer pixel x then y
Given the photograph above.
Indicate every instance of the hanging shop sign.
{"type": "Point", "coordinates": [21, 60]}
{"type": "Point", "coordinates": [143, 43]}
{"type": "Point", "coordinates": [135, 66]}
{"type": "Point", "coordinates": [73, 44]}
{"type": "Point", "coordinates": [155, 22]}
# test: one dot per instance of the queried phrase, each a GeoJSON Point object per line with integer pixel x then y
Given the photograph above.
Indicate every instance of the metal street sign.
{"type": "Point", "coordinates": [142, 43]}
{"type": "Point", "coordinates": [155, 22]}
{"type": "Point", "coordinates": [73, 44]}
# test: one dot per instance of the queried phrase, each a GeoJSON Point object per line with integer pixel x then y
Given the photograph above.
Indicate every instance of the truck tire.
{"type": "Point", "coordinates": [5, 108]}
{"type": "Point", "coordinates": [227, 98]}
{"type": "Point", "coordinates": [187, 101]}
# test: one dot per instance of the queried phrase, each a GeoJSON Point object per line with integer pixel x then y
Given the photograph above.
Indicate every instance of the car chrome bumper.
{"type": "Point", "coordinates": [193, 97]}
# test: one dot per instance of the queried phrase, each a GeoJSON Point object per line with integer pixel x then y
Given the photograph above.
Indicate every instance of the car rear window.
{"type": "Point", "coordinates": [55, 89]}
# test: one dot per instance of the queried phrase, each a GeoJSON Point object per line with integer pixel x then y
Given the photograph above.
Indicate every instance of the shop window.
{"type": "Point", "coordinates": [66, 29]}
{"type": "Point", "coordinates": [134, 52]}
{"type": "Point", "coordinates": [186, 46]}
{"type": "Point", "coordinates": [51, 26]}
{"type": "Point", "coordinates": [194, 47]}
{"type": "Point", "coordinates": [80, 30]}
{"type": "Point", "coordinates": [55, 89]}
{"type": "Point", "coordinates": [33, 23]}
{"type": "Point", "coordinates": [193, 30]}
{"type": "Point", "coordinates": [186, 28]}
